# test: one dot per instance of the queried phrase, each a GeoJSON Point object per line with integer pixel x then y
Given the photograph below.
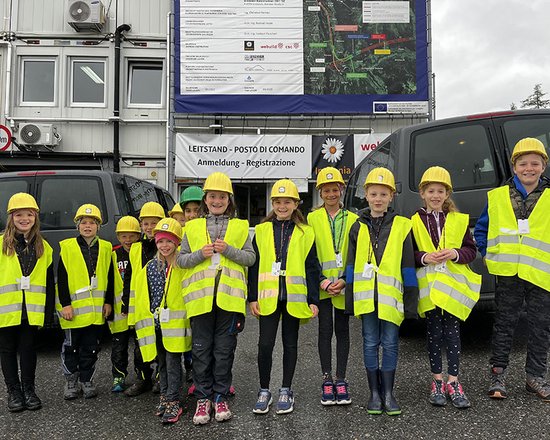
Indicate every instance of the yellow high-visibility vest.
{"type": "Point", "coordinates": [119, 323]}
{"type": "Point", "coordinates": [137, 266]}
{"type": "Point", "coordinates": [511, 252]}
{"type": "Point", "coordinates": [326, 253]}
{"type": "Point", "coordinates": [300, 244]}
{"type": "Point", "coordinates": [386, 277]}
{"type": "Point", "coordinates": [457, 289]}
{"type": "Point", "coordinates": [87, 302]}
{"type": "Point", "coordinates": [198, 283]}
{"type": "Point", "coordinates": [176, 333]}
{"type": "Point", "coordinates": [11, 295]}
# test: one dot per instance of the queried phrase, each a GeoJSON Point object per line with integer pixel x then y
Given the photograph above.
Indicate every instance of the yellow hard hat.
{"type": "Point", "coordinates": [285, 188]}
{"type": "Point", "coordinates": [529, 145]}
{"type": "Point", "coordinates": [88, 210]}
{"type": "Point", "coordinates": [169, 225]}
{"type": "Point", "coordinates": [380, 176]}
{"type": "Point", "coordinates": [329, 175]}
{"type": "Point", "coordinates": [22, 201]}
{"type": "Point", "coordinates": [151, 209]}
{"type": "Point", "coordinates": [128, 224]}
{"type": "Point", "coordinates": [218, 182]}
{"type": "Point", "coordinates": [175, 210]}
{"type": "Point", "coordinates": [436, 175]}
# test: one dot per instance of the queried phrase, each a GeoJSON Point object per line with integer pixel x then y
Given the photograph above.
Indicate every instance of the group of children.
{"type": "Point", "coordinates": [179, 287]}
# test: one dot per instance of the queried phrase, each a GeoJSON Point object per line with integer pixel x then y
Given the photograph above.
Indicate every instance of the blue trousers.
{"type": "Point", "coordinates": [379, 333]}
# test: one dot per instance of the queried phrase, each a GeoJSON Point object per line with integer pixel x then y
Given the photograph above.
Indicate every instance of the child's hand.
{"type": "Point", "coordinates": [448, 254]}
{"type": "Point", "coordinates": [107, 309]}
{"type": "Point", "coordinates": [314, 309]}
{"type": "Point", "coordinates": [336, 288]}
{"type": "Point", "coordinates": [254, 308]}
{"type": "Point", "coordinates": [207, 250]}
{"type": "Point", "coordinates": [67, 313]}
{"type": "Point", "coordinates": [220, 246]}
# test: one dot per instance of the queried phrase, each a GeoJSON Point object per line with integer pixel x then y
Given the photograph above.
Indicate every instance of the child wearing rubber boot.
{"type": "Point", "coordinates": [162, 327]}
{"type": "Point", "coordinates": [215, 252]}
{"type": "Point", "coordinates": [141, 252]}
{"type": "Point", "coordinates": [283, 286]}
{"type": "Point", "coordinates": [379, 272]}
{"type": "Point", "coordinates": [512, 235]}
{"type": "Point", "coordinates": [448, 288]}
{"type": "Point", "coordinates": [28, 291]}
{"type": "Point", "coordinates": [128, 232]}
{"type": "Point", "coordinates": [84, 299]}
{"type": "Point", "coordinates": [331, 224]}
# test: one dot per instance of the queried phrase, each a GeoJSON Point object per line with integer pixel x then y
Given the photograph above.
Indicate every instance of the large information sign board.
{"type": "Point", "coordinates": [300, 56]}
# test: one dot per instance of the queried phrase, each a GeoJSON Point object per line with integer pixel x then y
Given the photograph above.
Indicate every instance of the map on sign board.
{"type": "Point", "coordinates": [300, 56]}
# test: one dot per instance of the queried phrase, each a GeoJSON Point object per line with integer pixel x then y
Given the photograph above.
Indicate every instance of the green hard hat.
{"type": "Point", "coordinates": [191, 194]}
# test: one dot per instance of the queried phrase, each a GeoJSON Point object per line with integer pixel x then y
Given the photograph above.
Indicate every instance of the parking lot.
{"type": "Point", "coordinates": [115, 416]}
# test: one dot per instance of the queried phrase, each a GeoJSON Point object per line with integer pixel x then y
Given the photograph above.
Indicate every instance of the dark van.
{"type": "Point", "coordinates": [60, 193]}
{"type": "Point", "coordinates": [474, 149]}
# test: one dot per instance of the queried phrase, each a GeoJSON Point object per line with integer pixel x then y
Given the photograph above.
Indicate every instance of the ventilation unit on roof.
{"type": "Point", "coordinates": [38, 134]}
{"type": "Point", "coordinates": [85, 15]}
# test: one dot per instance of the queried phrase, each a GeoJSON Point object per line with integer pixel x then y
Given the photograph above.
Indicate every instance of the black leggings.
{"type": "Point", "coordinates": [18, 339]}
{"type": "Point", "coordinates": [443, 329]}
{"type": "Point", "coordinates": [340, 325]}
{"type": "Point", "coordinates": [268, 333]}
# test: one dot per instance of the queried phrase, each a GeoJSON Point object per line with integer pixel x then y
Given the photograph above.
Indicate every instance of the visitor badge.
{"type": "Point", "coordinates": [368, 271]}
{"type": "Point", "coordinates": [276, 268]}
{"type": "Point", "coordinates": [523, 226]}
{"type": "Point", "coordinates": [441, 267]}
{"type": "Point", "coordinates": [25, 283]}
{"type": "Point", "coordinates": [164, 315]}
{"type": "Point", "coordinates": [215, 260]}
{"type": "Point", "coordinates": [93, 282]}
{"type": "Point", "coordinates": [339, 260]}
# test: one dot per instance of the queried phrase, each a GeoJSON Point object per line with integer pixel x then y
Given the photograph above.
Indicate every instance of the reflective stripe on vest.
{"type": "Point", "coordinates": [87, 303]}
{"type": "Point", "coordinates": [199, 281]}
{"type": "Point", "coordinates": [137, 265]}
{"type": "Point", "coordinates": [11, 296]}
{"type": "Point", "coordinates": [324, 246]}
{"type": "Point", "coordinates": [510, 253]}
{"type": "Point", "coordinates": [176, 333]}
{"type": "Point", "coordinates": [300, 244]}
{"type": "Point", "coordinates": [457, 290]}
{"type": "Point", "coordinates": [119, 322]}
{"type": "Point", "coordinates": [387, 278]}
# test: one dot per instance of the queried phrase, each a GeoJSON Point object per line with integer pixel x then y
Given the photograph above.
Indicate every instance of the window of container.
{"type": "Point", "coordinates": [88, 83]}
{"type": "Point", "coordinates": [38, 81]}
{"type": "Point", "coordinates": [145, 84]}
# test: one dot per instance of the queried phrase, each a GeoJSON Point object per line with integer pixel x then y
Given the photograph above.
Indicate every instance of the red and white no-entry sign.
{"type": "Point", "coordinates": [5, 137]}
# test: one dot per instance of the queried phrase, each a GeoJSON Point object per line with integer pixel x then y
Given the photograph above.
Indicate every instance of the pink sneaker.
{"type": "Point", "coordinates": [231, 391]}
{"type": "Point", "coordinates": [202, 414]}
{"type": "Point", "coordinates": [221, 408]}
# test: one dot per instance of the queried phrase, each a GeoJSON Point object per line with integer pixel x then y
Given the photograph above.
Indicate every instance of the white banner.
{"type": "Point", "coordinates": [243, 156]}
{"type": "Point", "coordinates": [364, 144]}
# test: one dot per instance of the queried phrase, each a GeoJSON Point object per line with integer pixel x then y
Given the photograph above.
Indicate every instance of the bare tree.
{"type": "Point", "coordinates": [535, 100]}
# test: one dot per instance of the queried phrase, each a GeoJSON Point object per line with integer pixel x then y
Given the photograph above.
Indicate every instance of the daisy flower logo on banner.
{"type": "Point", "coordinates": [332, 150]}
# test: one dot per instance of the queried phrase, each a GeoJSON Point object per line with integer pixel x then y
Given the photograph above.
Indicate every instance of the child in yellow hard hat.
{"type": "Point", "coordinates": [215, 250]}
{"type": "Point", "coordinates": [448, 288]}
{"type": "Point", "coordinates": [283, 286]}
{"type": "Point", "coordinates": [512, 235]}
{"type": "Point", "coordinates": [380, 276]}
{"type": "Point", "coordinates": [331, 224]}
{"type": "Point", "coordinates": [85, 298]}
{"type": "Point", "coordinates": [28, 285]}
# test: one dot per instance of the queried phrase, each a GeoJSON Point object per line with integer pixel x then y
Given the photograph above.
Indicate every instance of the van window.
{"type": "Point", "coordinates": [9, 188]}
{"type": "Point", "coordinates": [534, 126]}
{"type": "Point", "coordinates": [140, 193]}
{"type": "Point", "coordinates": [61, 196]}
{"type": "Point", "coordinates": [464, 150]}
{"type": "Point", "coordinates": [383, 156]}
{"type": "Point", "coordinates": [121, 195]}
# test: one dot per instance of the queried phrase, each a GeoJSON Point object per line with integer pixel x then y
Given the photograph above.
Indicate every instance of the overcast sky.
{"type": "Point", "coordinates": [488, 53]}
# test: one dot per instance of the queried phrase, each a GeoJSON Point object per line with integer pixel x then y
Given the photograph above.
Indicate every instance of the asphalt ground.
{"type": "Point", "coordinates": [114, 416]}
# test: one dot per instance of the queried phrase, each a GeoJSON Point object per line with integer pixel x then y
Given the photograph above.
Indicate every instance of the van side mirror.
{"type": "Point", "coordinates": [398, 187]}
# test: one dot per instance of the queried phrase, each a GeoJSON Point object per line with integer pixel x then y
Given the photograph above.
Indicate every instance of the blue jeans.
{"type": "Point", "coordinates": [376, 333]}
